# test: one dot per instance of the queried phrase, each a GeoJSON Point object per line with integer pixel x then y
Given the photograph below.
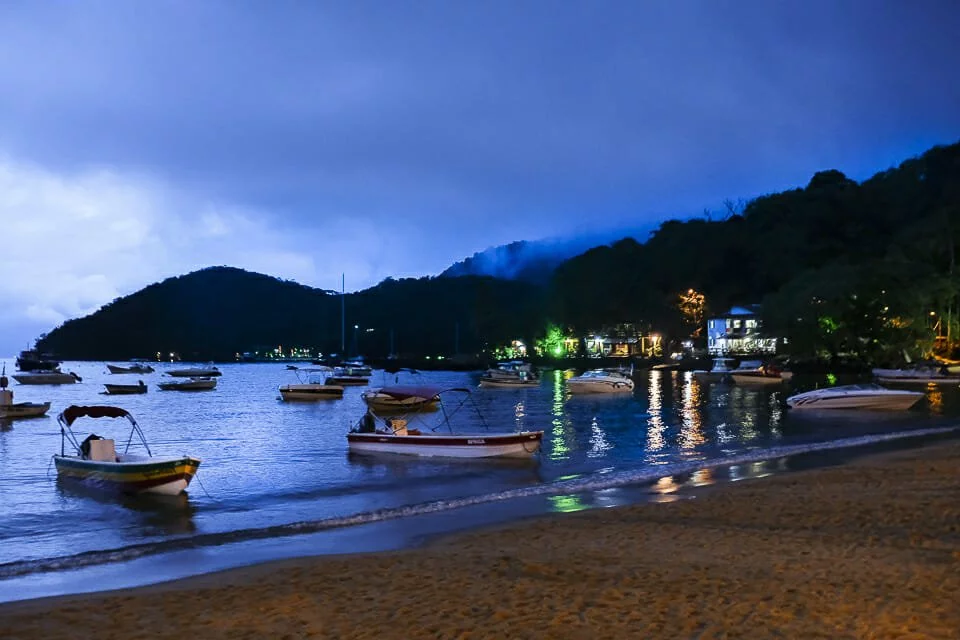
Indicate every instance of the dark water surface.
{"type": "Point", "coordinates": [272, 468]}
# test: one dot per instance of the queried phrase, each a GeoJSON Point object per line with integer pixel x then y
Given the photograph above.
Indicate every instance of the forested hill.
{"type": "Point", "coordinates": [219, 311]}
{"type": "Point", "coordinates": [864, 270]}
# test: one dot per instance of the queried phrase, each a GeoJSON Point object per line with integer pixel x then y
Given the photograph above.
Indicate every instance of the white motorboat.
{"type": "Point", "coordinates": [10, 410]}
{"type": "Point", "coordinates": [95, 461]}
{"type": "Point", "coordinates": [756, 372]}
{"type": "Point", "coordinates": [720, 370]}
{"type": "Point", "coordinates": [357, 368]}
{"type": "Point", "coordinates": [47, 377]}
{"type": "Point", "coordinates": [348, 376]}
{"type": "Point", "coordinates": [600, 381]}
{"type": "Point", "coordinates": [193, 384]}
{"type": "Point", "coordinates": [917, 375]}
{"type": "Point", "coordinates": [312, 386]}
{"type": "Point", "coordinates": [195, 372]}
{"type": "Point", "coordinates": [855, 396]}
{"type": "Point", "coordinates": [402, 398]}
{"type": "Point", "coordinates": [511, 374]}
{"type": "Point", "coordinates": [135, 367]}
{"type": "Point", "coordinates": [392, 436]}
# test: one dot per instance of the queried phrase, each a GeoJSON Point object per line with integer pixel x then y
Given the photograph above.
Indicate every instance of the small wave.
{"type": "Point", "coordinates": [580, 484]}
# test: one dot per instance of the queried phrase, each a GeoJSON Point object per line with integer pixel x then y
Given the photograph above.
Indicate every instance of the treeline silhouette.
{"type": "Point", "coordinates": [843, 270]}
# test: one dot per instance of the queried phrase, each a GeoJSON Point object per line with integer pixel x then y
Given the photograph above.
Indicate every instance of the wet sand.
{"type": "Point", "coordinates": [867, 550]}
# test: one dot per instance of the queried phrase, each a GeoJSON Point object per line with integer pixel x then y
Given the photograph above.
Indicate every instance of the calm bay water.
{"type": "Point", "coordinates": [267, 463]}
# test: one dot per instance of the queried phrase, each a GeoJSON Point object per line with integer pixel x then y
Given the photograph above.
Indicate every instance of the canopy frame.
{"type": "Point", "coordinates": [70, 415]}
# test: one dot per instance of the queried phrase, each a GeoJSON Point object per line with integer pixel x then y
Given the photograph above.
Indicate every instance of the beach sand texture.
{"type": "Point", "coordinates": [867, 550]}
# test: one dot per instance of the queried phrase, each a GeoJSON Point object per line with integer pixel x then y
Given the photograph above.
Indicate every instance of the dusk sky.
{"type": "Point", "coordinates": [141, 140]}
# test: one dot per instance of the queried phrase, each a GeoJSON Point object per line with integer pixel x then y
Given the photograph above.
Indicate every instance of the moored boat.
{"type": "Point", "coordinates": [195, 372]}
{"type": "Point", "coordinates": [10, 410]}
{"type": "Point", "coordinates": [855, 396]}
{"type": "Point", "coordinates": [402, 398]}
{"type": "Point", "coordinates": [193, 384]}
{"type": "Point", "coordinates": [311, 387]}
{"type": "Point", "coordinates": [136, 367]}
{"type": "Point", "coordinates": [720, 370]}
{"type": "Point", "coordinates": [32, 360]}
{"type": "Point", "coordinates": [125, 389]}
{"type": "Point", "coordinates": [392, 436]}
{"type": "Point", "coordinates": [349, 377]}
{"type": "Point", "coordinates": [47, 377]}
{"type": "Point", "coordinates": [512, 374]}
{"type": "Point", "coordinates": [919, 374]}
{"type": "Point", "coordinates": [755, 372]}
{"type": "Point", "coordinates": [94, 461]}
{"type": "Point", "coordinates": [600, 381]}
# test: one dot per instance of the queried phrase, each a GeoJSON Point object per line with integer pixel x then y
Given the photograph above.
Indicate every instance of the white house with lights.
{"type": "Point", "coordinates": [738, 331]}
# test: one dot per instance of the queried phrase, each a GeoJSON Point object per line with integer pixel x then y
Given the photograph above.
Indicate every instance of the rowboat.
{"type": "Point", "coordinates": [377, 435]}
{"type": "Point", "coordinates": [311, 387]}
{"type": "Point", "coordinates": [402, 398]}
{"type": "Point", "coordinates": [125, 389]}
{"type": "Point", "coordinates": [47, 377]}
{"type": "Point", "coordinates": [193, 384]}
{"type": "Point", "coordinates": [95, 462]}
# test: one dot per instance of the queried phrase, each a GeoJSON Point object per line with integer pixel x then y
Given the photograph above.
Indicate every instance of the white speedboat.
{"type": "Point", "coordinates": [392, 436]}
{"type": "Point", "coordinates": [350, 377]}
{"type": "Point", "coordinates": [95, 462]}
{"type": "Point", "coordinates": [721, 370]}
{"type": "Point", "coordinates": [402, 398]}
{"type": "Point", "coordinates": [135, 367]}
{"type": "Point", "coordinates": [47, 377]}
{"type": "Point", "coordinates": [600, 381]}
{"type": "Point", "coordinates": [916, 375]}
{"type": "Point", "coordinates": [511, 374]}
{"type": "Point", "coordinates": [855, 396]}
{"type": "Point", "coordinates": [193, 384]}
{"type": "Point", "coordinates": [311, 387]}
{"type": "Point", "coordinates": [195, 372]}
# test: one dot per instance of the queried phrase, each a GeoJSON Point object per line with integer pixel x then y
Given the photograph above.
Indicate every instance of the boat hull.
{"type": "Point", "coordinates": [347, 381]}
{"type": "Point", "coordinates": [310, 393]}
{"type": "Point", "coordinates": [506, 383]}
{"type": "Point", "coordinates": [746, 378]}
{"type": "Point", "coordinates": [194, 373]}
{"type": "Point", "coordinates": [168, 476]}
{"type": "Point", "coordinates": [500, 445]}
{"type": "Point", "coordinates": [596, 386]}
{"type": "Point", "coordinates": [886, 402]}
{"type": "Point", "coordinates": [919, 379]}
{"type": "Point", "coordinates": [203, 385]}
{"type": "Point", "coordinates": [382, 403]}
{"type": "Point", "coordinates": [46, 378]}
{"type": "Point", "coordinates": [125, 389]}
{"type": "Point", "coordinates": [23, 410]}
{"type": "Point", "coordinates": [132, 369]}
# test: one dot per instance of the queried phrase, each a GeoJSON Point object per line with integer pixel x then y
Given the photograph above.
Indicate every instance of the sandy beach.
{"type": "Point", "coordinates": [867, 550]}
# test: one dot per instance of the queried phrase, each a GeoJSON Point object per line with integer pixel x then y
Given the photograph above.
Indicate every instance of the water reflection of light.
{"type": "Point", "coordinates": [665, 484]}
{"type": "Point", "coordinates": [701, 477]}
{"type": "Point", "coordinates": [598, 440]}
{"type": "Point", "coordinates": [519, 413]}
{"type": "Point", "coordinates": [691, 432]}
{"type": "Point", "coordinates": [935, 398]}
{"type": "Point", "coordinates": [655, 424]}
{"type": "Point", "coordinates": [776, 414]}
{"type": "Point", "coordinates": [566, 504]}
{"type": "Point", "coordinates": [558, 443]}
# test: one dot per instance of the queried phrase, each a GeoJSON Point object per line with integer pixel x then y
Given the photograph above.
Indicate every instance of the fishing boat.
{"type": "Point", "coordinates": [856, 396]}
{"type": "Point", "coordinates": [94, 460]}
{"type": "Point", "coordinates": [402, 398]}
{"type": "Point", "coordinates": [195, 372]}
{"type": "Point", "coordinates": [193, 384]}
{"type": "Point", "coordinates": [136, 367]}
{"type": "Point", "coordinates": [10, 410]}
{"type": "Point", "coordinates": [32, 360]}
{"type": "Point", "coordinates": [47, 377]}
{"type": "Point", "coordinates": [312, 387]}
{"type": "Point", "coordinates": [600, 381]}
{"type": "Point", "coordinates": [125, 389]}
{"type": "Point", "coordinates": [511, 374]}
{"type": "Point", "coordinates": [391, 436]}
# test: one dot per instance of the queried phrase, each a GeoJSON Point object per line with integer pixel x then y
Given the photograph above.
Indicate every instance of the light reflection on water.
{"type": "Point", "coordinates": [267, 462]}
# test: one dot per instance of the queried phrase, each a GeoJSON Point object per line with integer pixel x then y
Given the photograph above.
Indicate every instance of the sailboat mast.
{"type": "Point", "coordinates": [343, 314]}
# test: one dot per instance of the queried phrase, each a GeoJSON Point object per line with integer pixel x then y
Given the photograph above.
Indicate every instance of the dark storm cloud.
{"type": "Point", "coordinates": [474, 123]}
